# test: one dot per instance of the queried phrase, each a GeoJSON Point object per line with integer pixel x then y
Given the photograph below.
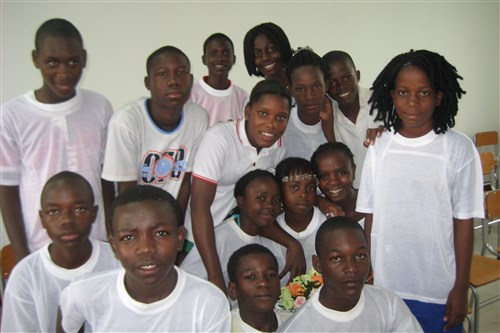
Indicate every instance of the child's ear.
{"type": "Point", "coordinates": [358, 75]}
{"type": "Point", "coordinates": [147, 82]}
{"type": "Point", "coordinates": [40, 213]}
{"type": "Point", "coordinates": [316, 263]}
{"type": "Point", "coordinates": [239, 201]}
{"type": "Point", "coordinates": [232, 291]}
{"type": "Point", "coordinates": [84, 58]}
{"type": "Point", "coordinates": [234, 59]}
{"type": "Point", "coordinates": [111, 240]}
{"type": "Point", "coordinates": [439, 98]}
{"type": "Point", "coordinates": [95, 209]}
{"type": "Point", "coordinates": [34, 56]}
{"type": "Point", "coordinates": [203, 59]}
{"type": "Point", "coordinates": [247, 111]}
{"type": "Point", "coordinates": [181, 235]}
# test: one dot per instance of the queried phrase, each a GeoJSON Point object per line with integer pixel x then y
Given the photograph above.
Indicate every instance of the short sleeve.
{"type": "Point", "coordinates": [211, 154]}
{"type": "Point", "coordinates": [10, 159]}
{"type": "Point", "coordinates": [364, 203]}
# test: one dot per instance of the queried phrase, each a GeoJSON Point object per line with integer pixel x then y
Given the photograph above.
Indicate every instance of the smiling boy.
{"type": "Point", "coordinates": [152, 141]}
{"type": "Point", "coordinates": [344, 303]}
{"type": "Point", "coordinates": [149, 293]}
{"type": "Point", "coordinates": [222, 99]}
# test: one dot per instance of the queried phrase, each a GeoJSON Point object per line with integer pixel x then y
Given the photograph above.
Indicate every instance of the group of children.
{"type": "Point", "coordinates": [195, 191]}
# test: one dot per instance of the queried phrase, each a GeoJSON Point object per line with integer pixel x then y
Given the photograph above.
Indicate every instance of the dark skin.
{"type": "Point", "coordinates": [219, 58]}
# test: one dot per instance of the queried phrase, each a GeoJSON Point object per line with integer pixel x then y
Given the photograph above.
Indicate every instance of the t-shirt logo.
{"type": "Point", "coordinates": [158, 167]}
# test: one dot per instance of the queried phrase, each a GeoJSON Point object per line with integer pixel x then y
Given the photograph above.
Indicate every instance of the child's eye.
{"type": "Point", "coordinates": [182, 73]}
{"type": "Point", "coordinates": [260, 198]}
{"type": "Point", "coordinates": [321, 176]}
{"type": "Point", "coordinates": [74, 62]}
{"type": "Point", "coordinates": [311, 188]}
{"type": "Point", "coordinates": [126, 238]}
{"type": "Point", "coordinates": [257, 53]}
{"type": "Point", "coordinates": [52, 212]}
{"type": "Point", "coordinates": [262, 113]}
{"type": "Point", "coordinates": [424, 93]}
{"type": "Point", "coordinates": [162, 73]}
{"type": "Point", "coordinates": [282, 117]}
{"type": "Point", "coordinates": [52, 63]}
{"type": "Point", "coordinates": [162, 233]}
{"type": "Point", "coordinates": [299, 89]}
{"type": "Point", "coordinates": [270, 49]}
{"type": "Point", "coordinates": [293, 187]}
{"type": "Point", "coordinates": [347, 77]}
{"type": "Point", "coordinates": [336, 259]}
{"type": "Point", "coordinates": [277, 200]}
{"type": "Point", "coordinates": [402, 93]}
{"type": "Point", "coordinates": [226, 52]}
{"type": "Point", "coordinates": [249, 277]}
{"type": "Point", "coordinates": [317, 86]}
{"type": "Point", "coordinates": [360, 256]}
{"type": "Point", "coordinates": [272, 275]}
{"type": "Point", "coordinates": [80, 210]}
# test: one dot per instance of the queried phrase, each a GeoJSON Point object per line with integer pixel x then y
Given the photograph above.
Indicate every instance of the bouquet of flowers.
{"type": "Point", "coordinates": [295, 293]}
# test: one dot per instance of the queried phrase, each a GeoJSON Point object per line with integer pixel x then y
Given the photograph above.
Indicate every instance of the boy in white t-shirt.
{"type": "Point", "coordinates": [149, 293]}
{"type": "Point", "coordinates": [255, 284]}
{"type": "Point", "coordinates": [344, 303]}
{"type": "Point", "coordinates": [67, 213]}
{"type": "Point", "coordinates": [54, 128]}
{"type": "Point", "coordinates": [222, 99]}
{"type": "Point", "coordinates": [153, 141]}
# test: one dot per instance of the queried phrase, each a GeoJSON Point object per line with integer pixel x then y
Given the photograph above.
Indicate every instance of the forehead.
{"type": "Point", "coordinates": [343, 239]}
{"type": "Point", "coordinates": [219, 43]}
{"type": "Point", "coordinates": [272, 102]}
{"type": "Point", "coordinates": [256, 261]}
{"type": "Point", "coordinates": [337, 156]}
{"type": "Point", "coordinates": [412, 74]}
{"type": "Point", "coordinates": [341, 65]}
{"type": "Point", "coordinates": [169, 59]}
{"type": "Point", "coordinates": [58, 44]}
{"type": "Point", "coordinates": [307, 72]}
{"type": "Point", "coordinates": [262, 40]}
{"type": "Point", "coordinates": [262, 183]}
{"type": "Point", "coordinates": [62, 190]}
{"type": "Point", "coordinates": [144, 214]}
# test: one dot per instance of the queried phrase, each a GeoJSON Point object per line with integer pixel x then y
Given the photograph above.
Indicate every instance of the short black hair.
{"type": "Point", "coordinates": [217, 35]}
{"type": "Point", "coordinates": [336, 56]}
{"type": "Point", "coordinates": [140, 193]}
{"type": "Point", "coordinates": [276, 35]}
{"type": "Point", "coordinates": [57, 27]}
{"type": "Point", "coordinates": [334, 224]}
{"type": "Point", "coordinates": [67, 176]}
{"type": "Point", "coordinates": [333, 147]}
{"type": "Point", "coordinates": [442, 76]}
{"type": "Point", "coordinates": [165, 50]}
{"type": "Point", "coordinates": [235, 259]}
{"type": "Point", "coordinates": [305, 57]}
{"type": "Point", "coordinates": [293, 165]}
{"type": "Point", "coordinates": [269, 87]}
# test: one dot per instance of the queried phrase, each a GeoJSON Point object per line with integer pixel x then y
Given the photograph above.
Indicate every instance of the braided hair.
{"type": "Point", "coordinates": [443, 77]}
{"type": "Point", "coordinates": [305, 56]}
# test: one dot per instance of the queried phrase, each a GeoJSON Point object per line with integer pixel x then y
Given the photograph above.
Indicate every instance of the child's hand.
{"type": "Point", "coordinates": [295, 261]}
{"type": "Point", "coordinates": [329, 208]}
{"type": "Point", "coordinates": [326, 113]}
{"type": "Point", "coordinates": [372, 134]}
{"type": "Point", "coordinates": [456, 308]}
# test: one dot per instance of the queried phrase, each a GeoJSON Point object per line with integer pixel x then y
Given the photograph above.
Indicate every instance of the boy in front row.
{"type": "Point", "coordinates": [67, 213]}
{"type": "Point", "coordinates": [344, 303]}
{"type": "Point", "coordinates": [149, 293]}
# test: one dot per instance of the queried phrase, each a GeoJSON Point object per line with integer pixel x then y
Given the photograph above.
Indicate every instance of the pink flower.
{"type": "Point", "coordinates": [299, 301]}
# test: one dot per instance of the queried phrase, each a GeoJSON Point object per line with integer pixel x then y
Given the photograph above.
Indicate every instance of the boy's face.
{"type": "Point", "coordinates": [67, 213]}
{"type": "Point", "coordinates": [343, 83]}
{"type": "Point", "coordinates": [335, 175]}
{"type": "Point", "coordinates": [257, 285]}
{"type": "Point", "coordinates": [266, 120]}
{"type": "Point", "coordinates": [308, 88]}
{"type": "Point", "coordinates": [299, 195]}
{"type": "Point", "coordinates": [219, 57]}
{"type": "Point", "coordinates": [415, 100]}
{"type": "Point", "coordinates": [344, 263]}
{"type": "Point", "coordinates": [267, 57]}
{"type": "Point", "coordinates": [61, 62]}
{"type": "Point", "coordinates": [261, 202]}
{"type": "Point", "coordinates": [169, 80]}
{"type": "Point", "coordinates": [146, 239]}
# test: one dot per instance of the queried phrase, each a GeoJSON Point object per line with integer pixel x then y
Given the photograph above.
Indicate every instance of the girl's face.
{"type": "Point", "coordinates": [266, 120]}
{"type": "Point", "coordinates": [415, 99]}
{"type": "Point", "coordinates": [335, 175]}
{"type": "Point", "coordinates": [261, 202]}
{"type": "Point", "coordinates": [299, 194]}
{"type": "Point", "coordinates": [267, 57]}
{"type": "Point", "coordinates": [308, 88]}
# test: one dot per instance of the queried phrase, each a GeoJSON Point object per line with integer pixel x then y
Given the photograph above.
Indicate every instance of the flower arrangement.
{"type": "Point", "coordinates": [296, 293]}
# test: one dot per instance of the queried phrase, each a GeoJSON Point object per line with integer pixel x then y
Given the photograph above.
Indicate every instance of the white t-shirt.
{"type": "Point", "coordinates": [223, 157]}
{"type": "Point", "coordinates": [414, 188]}
{"type": "Point", "coordinates": [221, 105]}
{"type": "Point", "coordinates": [228, 238]}
{"type": "Point", "coordinates": [378, 310]}
{"type": "Point", "coordinates": [32, 295]}
{"type": "Point", "coordinates": [239, 326]}
{"type": "Point", "coordinates": [38, 140]}
{"type": "Point", "coordinates": [300, 139]}
{"type": "Point", "coordinates": [194, 305]}
{"type": "Point", "coordinates": [307, 237]}
{"type": "Point", "coordinates": [138, 150]}
{"type": "Point", "coordinates": [354, 135]}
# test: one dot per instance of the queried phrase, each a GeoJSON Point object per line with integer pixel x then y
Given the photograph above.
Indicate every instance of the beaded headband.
{"type": "Point", "coordinates": [299, 177]}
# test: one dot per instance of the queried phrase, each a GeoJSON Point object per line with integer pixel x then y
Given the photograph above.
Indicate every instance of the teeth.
{"type": "Point", "coordinates": [148, 266]}
{"type": "Point", "coordinates": [269, 66]}
{"type": "Point", "coordinates": [269, 135]}
{"type": "Point", "coordinates": [344, 94]}
{"type": "Point", "coordinates": [335, 191]}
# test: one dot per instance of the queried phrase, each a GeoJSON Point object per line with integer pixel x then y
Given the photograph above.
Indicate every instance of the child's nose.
{"type": "Point", "coordinates": [146, 246]}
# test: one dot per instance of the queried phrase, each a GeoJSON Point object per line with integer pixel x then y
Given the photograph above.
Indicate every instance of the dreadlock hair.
{"type": "Point", "coordinates": [305, 56]}
{"type": "Point", "coordinates": [336, 56]}
{"type": "Point", "coordinates": [442, 76]}
{"type": "Point", "coordinates": [333, 224]}
{"type": "Point", "coordinates": [244, 181]}
{"type": "Point", "coordinates": [276, 35]}
{"type": "Point", "coordinates": [141, 193]}
{"type": "Point", "coordinates": [293, 166]}
{"type": "Point", "coordinates": [331, 147]}
{"type": "Point", "coordinates": [236, 258]}
{"type": "Point", "coordinates": [217, 35]}
{"type": "Point", "coordinates": [57, 27]}
{"type": "Point", "coordinates": [165, 50]}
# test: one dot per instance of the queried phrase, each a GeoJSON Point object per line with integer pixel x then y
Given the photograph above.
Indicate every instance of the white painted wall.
{"type": "Point", "coordinates": [120, 35]}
